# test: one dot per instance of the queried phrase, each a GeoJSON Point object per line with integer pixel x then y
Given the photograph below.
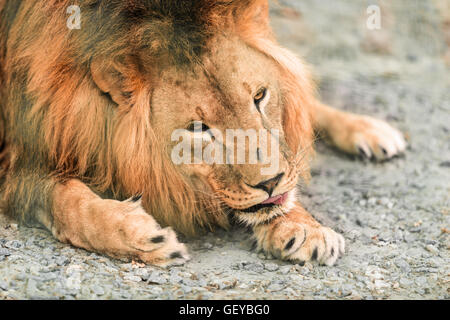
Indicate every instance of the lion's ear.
{"type": "Point", "coordinates": [111, 78]}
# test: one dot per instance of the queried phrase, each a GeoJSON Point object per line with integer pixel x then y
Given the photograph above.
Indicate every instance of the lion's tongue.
{"type": "Point", "coordinates": [276, 200]}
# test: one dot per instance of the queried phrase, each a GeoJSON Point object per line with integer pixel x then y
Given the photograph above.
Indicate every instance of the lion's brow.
{"type": "Point", "coordinates": [222, 97]}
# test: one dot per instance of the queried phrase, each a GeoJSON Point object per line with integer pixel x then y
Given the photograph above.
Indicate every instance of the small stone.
{"type": "Point", "coordinates": [32, 289]}
{"type": "Point", "coordinates": [414, 253]}
{"type": "Point", "coordinates": [372, 201]}
{"type": "Point", "coordinates": [143, 273]}
{"type": "Point", "coordinates": [156, 278]}
{"type": "Point", "coordinates": [13, 244]}
{"type": "Point", "coordinates": [243, 286]}
{"type": "Point", "coordinates": [255, 267]}
{"type": "Point", "coordinates": [4, 252]}
{"type": "Point", "coordinates": [207, 245]}
{"type": "Point", "coordinates": [445, 164]}
{"type": "Point", "coordinates": [421, 281]}
{"type": "Point", "coordinates": [403, 265]}
{"type": "Point", "coordinates": [156, 290]}
{"type": "Point", "coordinates": [379, 284]}
{"type": "Point", "coordinates": [133, 278]}
{"type": "Point", "coordinates": [346, 290]}
{"type": "Point", "coordinates": [383, 201]}
{"type": "Point", "coordinates": [99, 291]}
{"type": "Point", "coordinates": [432, 249]}
{"type": "Point", "coordinates": [3, 286]}
{"type": "Point", "coordinates": [271, 267]}
{"type": "Point", "coordinates": [276, 286]}
{"type": "Point", "coordinates": [175, 278]}
{"type": "Point", "coordinates": [353, 234]}
{"type": "Point", "coordinates": [405, 282]}
{"type": "Point", "coordinates": [289, 292]}
{"type": "Point", "coordinates": [126, 267]}
{"type": "Point", "coordinates": [285, 269]}
{"type": "Point", "coordinates": [375, 272]}
{"type": "Point", "coordinates": [62, 261]}
{"type": "Point", "coordinates": [186, 289]}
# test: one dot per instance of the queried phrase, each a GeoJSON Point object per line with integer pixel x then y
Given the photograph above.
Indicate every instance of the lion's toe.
{"type": "Point", "coordinates": [378, 140]}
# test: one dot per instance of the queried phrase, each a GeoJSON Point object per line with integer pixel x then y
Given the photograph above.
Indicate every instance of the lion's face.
{"type": "Point", "coordinates": [235, 87]}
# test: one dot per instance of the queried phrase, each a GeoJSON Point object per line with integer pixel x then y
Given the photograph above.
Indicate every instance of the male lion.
{"type": "Point", "coordinates": [87, 117]}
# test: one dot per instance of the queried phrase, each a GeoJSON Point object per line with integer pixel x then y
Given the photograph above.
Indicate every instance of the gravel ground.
{"type": "Point", "coordinates": [394, 215]}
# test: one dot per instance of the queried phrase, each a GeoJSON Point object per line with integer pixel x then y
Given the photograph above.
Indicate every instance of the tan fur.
{"type": "Point", "coordinates": [298, 237]}
{"type": "Point", "coordinates": [119, 229]}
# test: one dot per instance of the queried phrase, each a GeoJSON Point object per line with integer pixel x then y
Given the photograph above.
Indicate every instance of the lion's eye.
{"type": "Point", "coordinates": [259, 97]}
{"type": "Point", "coordinates": [197, 126]}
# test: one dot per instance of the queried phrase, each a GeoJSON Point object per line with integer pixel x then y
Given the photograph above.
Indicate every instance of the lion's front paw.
{"type": "Point", "coordinates": [125, 230]}
{"type": "Point", "coordinates": [369, 137]}
{"type": "Point", "coordinates": [151, 244]}
{"type": "Point", "coordinates": [169, 253]}
{"type": "Point", "coordinates": [299, 242]}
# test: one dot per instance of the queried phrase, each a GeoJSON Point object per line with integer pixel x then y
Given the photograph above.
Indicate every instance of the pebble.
{"type": "Point", "coordinates": [285, 269]}
{"type": "Point", "coordinates": [276, 286]}
{"type": "Point", "coordinates": [156, 277]}
{"type": "Point", "coordinates": [98, 290]}
{"type": "Point", "coordinates": [405, 282]}
{"type": "Point", "coordinates": [353, 234]}
{"type": "Point", "coordinates": [143, 273]}
{"type": "Point", "coordinates": [271, 267]}
{"type": "Point", "coordinates": [133, 278]}
{"type": "Point", "coordinates": [432, 249]}
{"type": "Point", "coordinates": [4, 252]}
{"type": "Point", "coordinates": [175, 278]}
{"type": "Point", "coordinates": [375, 272]}
{"type": "Point", "coordinates": [372, 201]}
{"type": "Point", "coordinates": [421, 281]}
{"type": "Point", "coordinates": [3, 286]}
{"type": "Point", "coordinates": [346, 290]}
{"type": "Point", "coordinates": [32, 289]}
{"type": "Point", "coordinates": [380, 284]}
{"type": "Point", "coordinates": [403, 265]}
{"type": "Point", "coordinates": [257, 267]}
{"type": "Point", "coordinates": [290, 292]}
{"type": "Point", "coordinates": [243, 286]}
{"type": "Point", "coordinates": [62, 261]}
{"type": "Point", "coordinates": [13, 244]}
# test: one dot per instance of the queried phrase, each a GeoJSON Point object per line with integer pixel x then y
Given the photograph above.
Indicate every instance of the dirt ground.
{"type": "Point", "coordinates": [394, 215]}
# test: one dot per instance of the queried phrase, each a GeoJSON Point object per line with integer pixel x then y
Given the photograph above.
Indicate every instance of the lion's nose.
{"type": "Point", "coordinates": [269, 185]}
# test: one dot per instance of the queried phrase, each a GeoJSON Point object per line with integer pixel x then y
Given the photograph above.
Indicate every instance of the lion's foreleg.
{"type": "Point", "coordinates": [74, 214]}
{"type": "Point", "coordinates": [356, 134]}
{"type": "Point", "coordinates": [118, 229]}
{"type": "Point", "coordinates": [297, 236]}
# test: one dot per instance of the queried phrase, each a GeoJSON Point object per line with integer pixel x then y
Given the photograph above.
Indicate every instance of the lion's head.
{"type": "Point", "coordinates": [142, 72]}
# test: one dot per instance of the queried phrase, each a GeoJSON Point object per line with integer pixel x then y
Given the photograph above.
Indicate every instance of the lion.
{"type": "Point", "coordinates": [87, 117]}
